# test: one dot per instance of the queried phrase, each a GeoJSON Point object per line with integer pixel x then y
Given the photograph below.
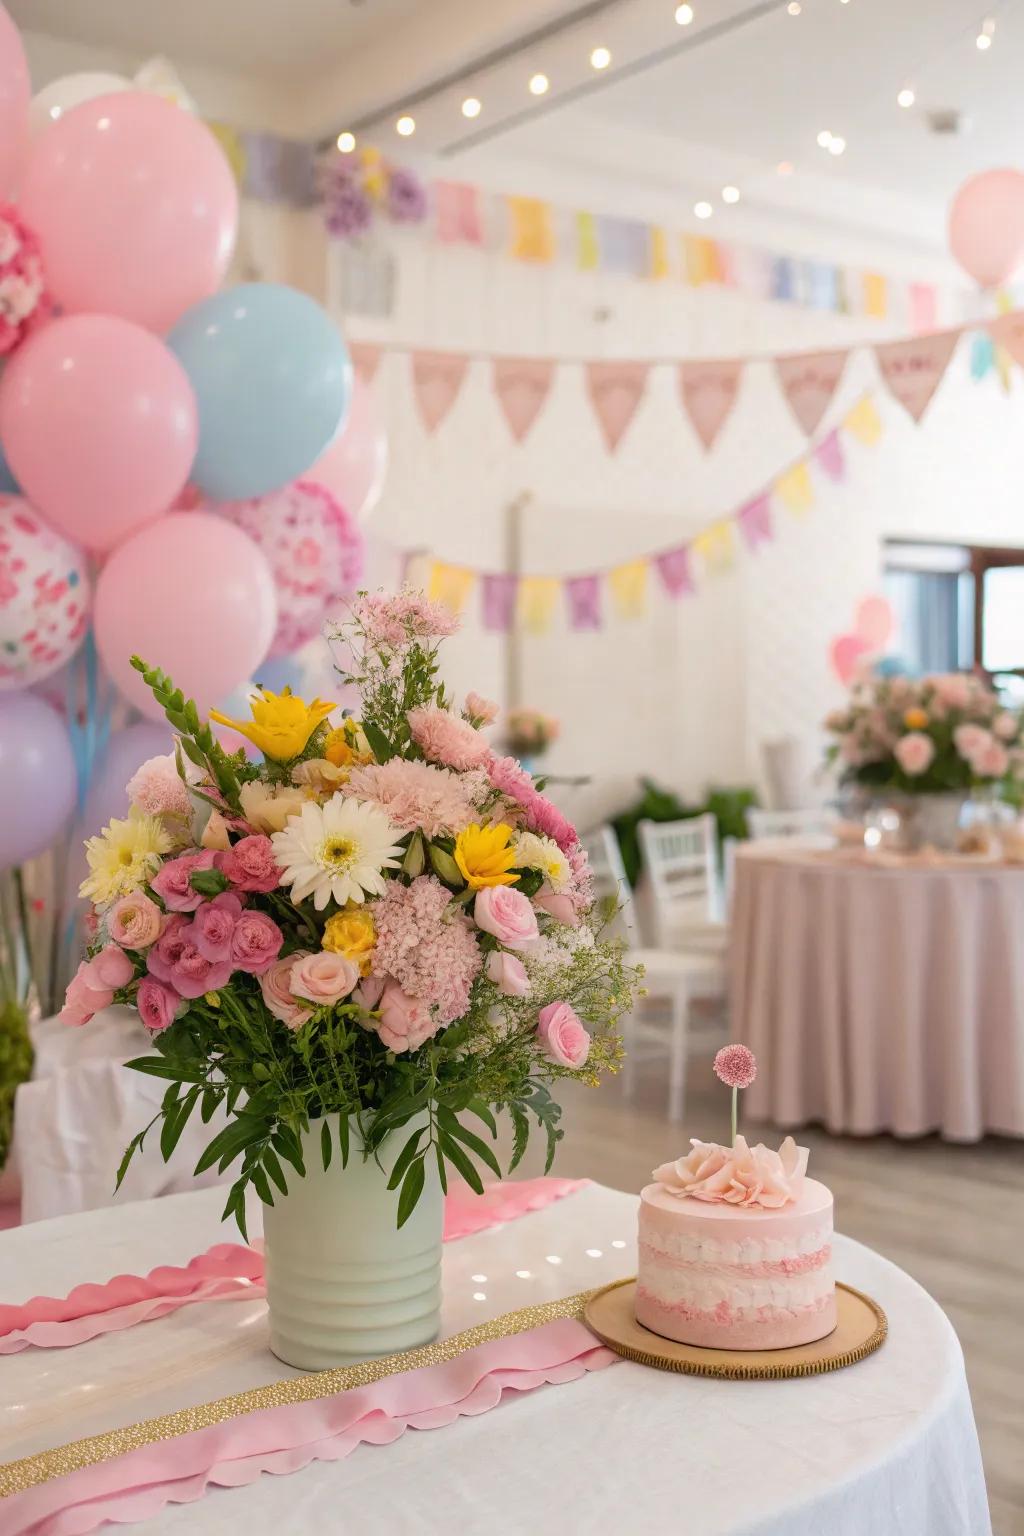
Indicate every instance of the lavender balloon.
{"type": "Point", "coordinates": [37, 777]}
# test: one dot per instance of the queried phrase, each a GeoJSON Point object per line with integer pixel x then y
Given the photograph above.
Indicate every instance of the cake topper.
{"type": "Point", "coordinates": [736, 1066]}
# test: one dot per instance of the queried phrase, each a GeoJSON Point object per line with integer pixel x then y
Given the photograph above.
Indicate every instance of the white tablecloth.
{"type": "Point", "coordinates": [885, 1448]}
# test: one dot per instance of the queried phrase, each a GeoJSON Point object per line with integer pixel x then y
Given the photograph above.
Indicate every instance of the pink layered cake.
{"type": "Point", "coordinates": [735, 1249]}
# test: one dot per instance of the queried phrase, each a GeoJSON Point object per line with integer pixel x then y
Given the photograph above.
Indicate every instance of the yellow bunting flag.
{"type": "Point", "coordinates": [794, 488]}
{"type": "Point", "coordinates": [875, 295]}
{"type": "Point", "coordinates": [537, 598]}
{"type": "Point", "coordinates": [374, 175]}
{"type": "Point", "coordinates": [864, 422]}
{"type": "Point", "coordinates": [661, 266]}
{"type": "Point", "coordinates": [230, 142]}
{"type": "Point", "coordinates": [699, 257]}
{"type": "Point", "coordinates": [450, 585]}
{"type": "Point", "coordinates": [716, 546]}
{"type": "Point", "coordinates": [588, 251]}
{"type": "Point", "coordinates": [628, 587]}
{"type": "Point", "coordinates": [533, 235]}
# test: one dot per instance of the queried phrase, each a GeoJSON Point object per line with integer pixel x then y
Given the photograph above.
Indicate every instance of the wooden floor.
{"type": "Point", "coordinates": [887, 1194]}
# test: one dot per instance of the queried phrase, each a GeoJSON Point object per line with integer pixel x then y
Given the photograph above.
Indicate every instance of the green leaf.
{"type": "Point", "coordinates": [259, 1180]}
{"type": "Point", "coordinates": [174, 1123]}
{"type": "Point", "coordinates": [458, 1159]}
{"type": "Point", "coordinates": [522, 1135]}
{"type": "Point", "coordinates": [415, 859]}
{"type": "Point", "coordinates": [381, 748]}
{"type": "Point", "coordinates": [208, 882]}
{"type": "Point", "coordinates": [441, 1171]}
{"type": "Point", "coordinates": [445, 867]}
{"type": "Point", "coordinates": [273, 1167]}
{"type": "Point", "coordinates": [157, 1066]}
{"type": "Point", "coordinates": [479, 1108]}
{"type": "Point", "coordinates": [412, 1188]}
{"type": "Point", "coordinates": [229, 1142]}
{"type": "Point", "coordinates": [290, 1148]}
{"type": "Point", "coordinates": [404, 1158]}
{"type": "Point", "coordinates": [326, 1147]}
{"type": "Point", "coordinates": [343, 1138]}
{"type": "Point", "coordinates": [479, 1148]}
{"type": "Point", "coordinates": [129, 1152]}
{"type": "Point", "coordinates": [171, 1096]}
{"type": "Point", "coordinates": [236, 1207]}
{"type": "Point", "coordinates": [208, 1108]}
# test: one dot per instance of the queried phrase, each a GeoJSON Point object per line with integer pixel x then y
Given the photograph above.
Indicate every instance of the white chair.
{"type": "Point", "coordinates": [813, 828]}
{"type": "Point", "coordinates": [681, 860]}
{"type": "Point", "coordinates": [669, 977]}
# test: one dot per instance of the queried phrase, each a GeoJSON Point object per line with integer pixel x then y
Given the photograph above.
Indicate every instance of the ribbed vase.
{"type": "Point", "coordinates": [343, 1282]}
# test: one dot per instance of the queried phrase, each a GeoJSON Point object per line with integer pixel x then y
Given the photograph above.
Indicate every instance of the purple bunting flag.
{"type": "Point", "coordinates": [583, 594]}
{"type": "Point", "coordinates": [828, 456]}
{"type": "Point", "coordinates": [674, 570]}
{"type": "Point", "coordinates": [499, 600]}
{"type": "Point", "coordinates": [755, 520]}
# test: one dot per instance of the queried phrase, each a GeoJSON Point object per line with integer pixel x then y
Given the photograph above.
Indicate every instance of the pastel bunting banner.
{"type": "Point", "coordinates": [537, 598]}
{"type": "Point", "coordinates": [365, 360]}
{"type": "Point", "coordinates": [673, 567]}
{"type": "Point", "coordinates": [532, 234]}
{"type": "Point", "coordinates": [795, 489]}
{"type": "Point", "coordinates": [457, 213]}
{"type": "Point", "coordinates": [522, 385]}
{"type": "Point", "coordinates": [437, 378]}
{"type": "Point", "coordinates": [499, 593]}
{"type": "Point", "coordinates": [615, 391]}
{"type": "Point", "coordinates": [809, 381]}
{"type": "Point", "coordinates": [755, 521]}
{"type": "Point", "coordinates": [863, 421]}
{"type": "Point", "coordinates": [914, 369]}
{"type": "Point", "coordinates": [716, 546]}
{"type": "Point", "coordinates": [583, 596]}
{"type": "Point", "coordinates": [828, 455]}
{"type": "Point", "coordinates": [1008, 331]}
{"type": "Point", "coordinates": [450, 585]}
{"type": "Point", "coordinates": [627, 585]}
{"type": "Point", "coordinates": [708, 391]}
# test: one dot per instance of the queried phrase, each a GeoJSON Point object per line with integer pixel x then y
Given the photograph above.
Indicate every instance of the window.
{"type": "Point", "coordinates": [959, 606]}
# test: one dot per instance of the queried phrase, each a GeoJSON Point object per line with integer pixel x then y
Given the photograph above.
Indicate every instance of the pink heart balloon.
{"type": "Point", "coordinates": [844, 654]}
{"type": "Point", "coordinates": [874, 622]}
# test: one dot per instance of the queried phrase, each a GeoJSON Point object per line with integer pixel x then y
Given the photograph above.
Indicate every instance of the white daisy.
{"type": "Point", "coordinates": [543, 853]}
{"type": "Point", "coordinates": [337, 849]}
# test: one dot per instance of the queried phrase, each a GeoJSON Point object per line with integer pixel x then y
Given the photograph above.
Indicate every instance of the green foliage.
{"type": "Point", "coordinates": [15, 1067]}
{"type": "Point", "coordinates": [728, 806]}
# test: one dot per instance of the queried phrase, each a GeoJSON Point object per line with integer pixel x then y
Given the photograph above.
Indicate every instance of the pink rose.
{"type": "Point", "coordinates": [81, 1000]}
{"type": "Point", "coordinates": [134, 922]}
{"type": "Point", "coordinates": [969, 740]}
{"type": "Point", "coordinates": [324, 978]}
{"type": "Point", "coordinates": [508, 974]}
{"type": "Point", "coordinates": [192, 974]}
{"type": "Point", "coordinates": [562, 1036]}
{"type": "Point", "coordinates": [277, 993]}
{"type": "Point", "coordinates": [250, 864]}
{"type": "Point", "coordinates": [157, 1004]}
{"type": "Point", "coordinates": [1005, 725]}
{"type": "Point", "coordinates": [992, 762]}
{"type": "Point", "coordinates": [368, 993]}
{"type": "Point", "coordinates": [405, 1023]}
{"type": "Point", "coordinates": [108, 970]}
{"type": "Point", "coordinates": [952, 688]}
{"type": "Point", "coordinates": [166, 952]}
{"type": "Point", "coordinates": [558, 905]}
{"type": "Point", "coordinates": [171, 883]}
{"type": "Point", "coordinates": [213, 926]}
{"type": "Point", "coordinates": [255, 942]}
{"type": "Point", "coordinates": [915, 753]}
{"type": "Point", "coordinates": [507, 914]}
{"type": "Point", "coordinates": [481, 709]}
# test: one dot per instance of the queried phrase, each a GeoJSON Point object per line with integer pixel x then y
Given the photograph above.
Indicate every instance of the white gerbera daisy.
{"type": "Point", "coordinates": [535, 852]}
{"type": "Point", "coordinates": [337, 849]}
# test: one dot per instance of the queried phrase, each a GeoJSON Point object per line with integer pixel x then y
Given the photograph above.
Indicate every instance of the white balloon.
{"type": "Point", "coordinates": [70, 91]}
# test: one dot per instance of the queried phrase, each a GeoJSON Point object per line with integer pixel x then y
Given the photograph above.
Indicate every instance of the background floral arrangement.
{"type": "Point", "coordinates": [362, 186]}
{"type": "Point", "coordinates": [933, 735]}
{"type": "Point", "coordinates": [383, 919]}
{"type": "Point", "coordinates": [530, 731]}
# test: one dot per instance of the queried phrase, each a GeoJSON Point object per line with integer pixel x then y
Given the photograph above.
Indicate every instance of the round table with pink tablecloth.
{"type": "Point", "coordinates": [881, 992]}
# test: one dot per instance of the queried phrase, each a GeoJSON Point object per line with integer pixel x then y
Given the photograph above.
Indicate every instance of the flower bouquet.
{"type": "Point", "coordinates": [354, 948]}
{"type": "Point", "coordinates": [529, 732]}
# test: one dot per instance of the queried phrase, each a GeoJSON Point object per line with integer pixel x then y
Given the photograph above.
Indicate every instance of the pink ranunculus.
{"type": "Point", "coordinates": [1006, 725]}
{"type": "Point", "coordinates": [992, 762]}
{"type": "Point", "coordinates": [915, 753]}
{"type": "Point", "coordinates": [562, 1036]}
{"type": "Point", "coordinates": [479, 708]}
{"type": "Point", "coordinates": [324, 978]}
{"type": "Point", "coordinates": [134, 922]}
{"type": "Point", "coordinates": [109, 970]}
{"type": "Point", "coordinates": [507, 914]}
{"type": "Point", "coordinates": [404, 1023]}
{"type": "Point", "coordinates": [214, 925]}
{"type": "Point", "coordinates": [508, 974]}
{"type": "Point", "coordinates": [558, 905]}
{"type": "Point", "coordinates": [166, 952]}
{"type": "Point", "coordinates": [171, 883]}
{"type": "Point", "coordinates": [255, 943]}
{"type": "Point", "coordinates": [277, 992]}
{"type": "Point", "coordinates": [969, 740]}
{"type": "Point", "coordinates": [81, 1000]}
{"type": "Point", "coordinates": [192, 974]}
{"type": "Point", "coordinates": [250, 864]}
{"type": "Point", "coordinates": [157, 1003]}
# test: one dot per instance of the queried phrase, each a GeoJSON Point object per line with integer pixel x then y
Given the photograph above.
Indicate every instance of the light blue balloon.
{"type": "Point", "coordinates": [273, 380]}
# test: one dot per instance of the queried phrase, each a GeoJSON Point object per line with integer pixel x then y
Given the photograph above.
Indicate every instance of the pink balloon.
{"type": "Point", "coordinates": [193, 595]}
{"type": "Point", "coordinates": [15, 94]}
{"type": "Point", "coordinates": [986, 226]}
{"type": "Point", "coordinates": [874, 622]}
{"type": "Point", "coordinates": [845, 653]}
{"type": "Point", "coordinates": [98, 422]}
{"type": "Point", "coordinates": [135, 207]}
{"type": "Point", "coordinates": [355, 464]}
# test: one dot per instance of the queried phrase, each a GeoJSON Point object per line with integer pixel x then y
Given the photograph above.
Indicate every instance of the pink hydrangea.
{"type": "Point", "coordinates": [414, 795]}
{"type": "Point", "coordinates": [445, 738]}
{"type": "Point", "coordinates": [157, 789]}
{"type": "Point", "coordinates": [511, 779]}
{"type": "Point", "coordinates": [426, 945]}
{"type": "Point", "coordinates": [389, 623]}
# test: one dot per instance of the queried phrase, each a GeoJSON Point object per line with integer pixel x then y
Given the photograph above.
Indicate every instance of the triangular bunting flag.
{"type": "Point", "coordinates": [674, 570]}
{"type": "Point", "coordinates": [755, 520]}
{"type": "Point", "coordinates": [809, 380]}
{"type": "Point", "coordinates": [365, 360]}
{"type": "Point", "coordinates": [1007, 331]}
{"type": "Point", "coordinates": [615, 391]}
{"type": "Point", "coordinates": [863, 421]}
{"type": "Point", "coordinates": [794, 488]}
{"type": "Point", "coordinates": [437, 378]}
{"type": "Point", "coordinates": [828, 455]}
{"type": "Point", "coordinates": [716, 546]}
{"type": "Point", "coordinates": [708, 391]}
{"type": "Point", "coordinates": [521, 385]}
{"type": "Point", "coordinates": [628, 587]}
{"type": "Point", "coordinates": [913, 370]}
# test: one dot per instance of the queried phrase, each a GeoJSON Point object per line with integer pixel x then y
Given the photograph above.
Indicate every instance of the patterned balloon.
{"type": "Point", "coordinates": [315, 551]}
{"type": "Point", "coordinates": [44, 596]}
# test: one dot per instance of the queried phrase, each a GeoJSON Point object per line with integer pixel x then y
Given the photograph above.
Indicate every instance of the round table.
{"type": "Point", "coordinates": [881, 993]}
{"type": "Point", "coordinates": [887, 1445]}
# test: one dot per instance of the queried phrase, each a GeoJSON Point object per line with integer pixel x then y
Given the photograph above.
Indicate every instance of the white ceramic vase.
{"type": "Point", "coordinates": [936, 819]}
{"type": "Point", "coordinates": [343, 1282]}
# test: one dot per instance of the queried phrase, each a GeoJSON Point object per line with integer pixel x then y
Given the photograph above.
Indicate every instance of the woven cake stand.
{"type": "Point", "coordinates": [861, 1329]}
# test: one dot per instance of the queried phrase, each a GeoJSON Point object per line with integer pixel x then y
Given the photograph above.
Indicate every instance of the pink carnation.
{"type": "Point", "coordinates": [156, 788]}
{"type": "Point", "coordinates": [171, 882]}
{"type": "Point", "coordinates": [736, 1065]}
{"type": "Point", "coordinates": [426, 945]}
{"type": "Point", "coordinates": [414, 795]}
{"type": "Point", "coordinates": [445, 739]}
{"type": "Point", "coordinates": [250, 864]}
{"type": "Point", "coordinates": [511, 779]}
{"type": "Point", "coordinates": [481, 709]}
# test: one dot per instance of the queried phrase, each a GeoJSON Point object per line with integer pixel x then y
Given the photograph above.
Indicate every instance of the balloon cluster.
{"type": "Point", "coordinates": [134, 386]}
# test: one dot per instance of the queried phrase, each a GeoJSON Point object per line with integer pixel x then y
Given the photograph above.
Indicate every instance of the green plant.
{"type": "Point", "coordinates": [728, 806]}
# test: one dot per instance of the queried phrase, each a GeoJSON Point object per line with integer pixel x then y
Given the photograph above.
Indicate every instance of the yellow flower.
{"type": "Point", "coordinates": [347, 745]}
{"type": "Point", "coordinates": [267, 808]}
{"type": "Point", "coordinates": [351, 933]}
{"type": "Point", "coordinates": [485, 856]}
{"type": "Point", "coordinates": [123, 857]}
{"type": "Point", "coordinates": [281, 723]}
{"type": "Point", "coordinates": [916, 719]}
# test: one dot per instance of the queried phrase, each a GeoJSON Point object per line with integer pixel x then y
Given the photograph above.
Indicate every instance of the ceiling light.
{"type": "Point", "coordinates": [836, 145]}
{"type": "Point", "coordinates": [784, 168]}
{"type": "Point", "coordinates": [346, 142]}
{"type": "Point", "coordinates": [794, 7]}
{"type": "Point", "coordinates": [824, 138]}
{"type": "Point", "coordinates": [906, 97]}
{"type": "Point", "coordinates": [684, 15]}
{"type": "Point", "coordinates": [985, 36]}
{"type": "Point", "coordinates": [471, 107]}
{"type": "Point", "coordinates": [730, 194]}
{"type": "Point", "coordinates": [406, 126]}
{"type": "Point", "coordinates": [600, 58]}
{"type": "Point", "coordinates": [703, 210]}
{"type": "Point", "coordinates": [539, 84]}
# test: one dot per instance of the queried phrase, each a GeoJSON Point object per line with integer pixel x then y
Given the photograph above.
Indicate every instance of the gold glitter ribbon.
{"type": "Point", "coordinates": [30, 1471]}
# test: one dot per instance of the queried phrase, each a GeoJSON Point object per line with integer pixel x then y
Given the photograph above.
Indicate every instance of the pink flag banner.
{"type": "Point", "coordinates": [615, 391]}
{"type": "Point", "coordinates": [914, 369]}
{"type": "Point", "coordinates": [437, 378]}
{"type": "Point", "coordinates": [457, 213]}
{"type": "Point", "coordinates": [583, 595]}
{"type": "Point", "coordinates": [828, 455]}
{"type": "Point", "coordinates": [924, 306]}
{"type": "Point", "coordinates": [708, 391]}
{"type": "Point", "coordinates": [809, 380]}
{"type": "Point", "coordinates": [1008, 331]}
{"type": "Point", "coordinates": [522, 385]}
{"type": "Point", "coordinates": [365, 360]}
{"type": "Point", "coordinates": [674, 570]}
{"type": "Point", "coordinates": [498, 595]}
{"type": "Point", "coordinates": [755, 520]}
